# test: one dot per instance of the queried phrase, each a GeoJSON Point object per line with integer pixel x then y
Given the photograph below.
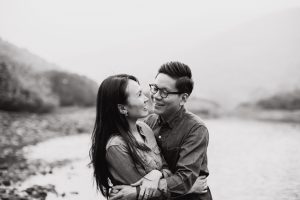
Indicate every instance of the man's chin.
{"type": "Point", "coordinates": [158, 111]}
{"type": "Point", "coordinates": [147, 113]}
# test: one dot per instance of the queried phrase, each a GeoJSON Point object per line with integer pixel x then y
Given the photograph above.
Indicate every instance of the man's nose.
{"type": "Point", "coordinates": [157, 95]}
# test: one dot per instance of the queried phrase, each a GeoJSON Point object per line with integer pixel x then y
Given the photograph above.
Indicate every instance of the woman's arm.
{"type": "Point", "coordinates": [123, 171]}
{"type": "Point", "coordinates": [121, 165]}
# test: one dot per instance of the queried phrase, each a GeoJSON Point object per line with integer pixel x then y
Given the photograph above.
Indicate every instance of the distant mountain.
{"type": "Point", "coordinates": [29, 83]}
{"type": "Point", "coordinates": [11, 53]}
{"type": "Point", "coordinates": [288, 100]}
{"type": "Point", "coordinates": [251, 61]}
{"type": "Point", "coordinates": [283, 106]}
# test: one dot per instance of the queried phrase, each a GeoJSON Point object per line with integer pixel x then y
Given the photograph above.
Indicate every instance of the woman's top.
{"type": "Point", "coordinates": [120, 164]}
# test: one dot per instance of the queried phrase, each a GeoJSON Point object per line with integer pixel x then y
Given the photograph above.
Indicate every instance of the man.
{"type": "Point", "coordinates": [181, 135]}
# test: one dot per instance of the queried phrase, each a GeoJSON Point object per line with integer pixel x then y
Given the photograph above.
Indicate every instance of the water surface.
{"type": "Point", "coordinates": [247, 160]}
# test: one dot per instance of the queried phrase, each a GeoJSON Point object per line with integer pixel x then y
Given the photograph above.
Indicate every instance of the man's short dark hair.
{"type": "Point", "coordinates": [182, 73]}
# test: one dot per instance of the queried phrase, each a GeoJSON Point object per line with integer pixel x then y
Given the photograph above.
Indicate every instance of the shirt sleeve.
{"type": "Point", "coordinates": [191, 155]}
{"type": "Point", "coordinates": [121, 165]}
{"type": "Point", "coordinates": [165, 169]}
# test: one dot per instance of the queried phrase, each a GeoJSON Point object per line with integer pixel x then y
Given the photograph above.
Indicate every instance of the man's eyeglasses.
{"type": "Point", "coordinates": [162, 92]}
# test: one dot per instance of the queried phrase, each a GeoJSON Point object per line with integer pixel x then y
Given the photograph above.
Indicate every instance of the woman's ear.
{"type": "Point", "coordinates": [184, 98]}
{"type": "Point", "coordinates": [122, 109]}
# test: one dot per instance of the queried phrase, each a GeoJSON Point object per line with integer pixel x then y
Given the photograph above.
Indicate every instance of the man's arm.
{"type": "Point", "coordinates": [191, 155]}
{"type": "Point", "coordinates": [127, 192]}
{"type": "Point", "coordinates": [188, 167]}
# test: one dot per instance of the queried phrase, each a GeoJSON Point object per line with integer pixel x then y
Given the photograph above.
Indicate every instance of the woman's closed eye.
{"type": "Point", "coordinates": [140, 93]}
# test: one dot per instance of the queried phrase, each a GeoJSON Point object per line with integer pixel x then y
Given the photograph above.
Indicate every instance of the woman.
{"type": "Point", "coordinates": [123, 149]}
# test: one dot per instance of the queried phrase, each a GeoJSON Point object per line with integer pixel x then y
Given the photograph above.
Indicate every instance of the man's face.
{"type": "Point", "coordinates": [169, 105]}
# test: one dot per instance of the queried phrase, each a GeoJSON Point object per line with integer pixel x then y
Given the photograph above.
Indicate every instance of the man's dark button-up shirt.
{"type": "Point", "coordinates": [183, 141]}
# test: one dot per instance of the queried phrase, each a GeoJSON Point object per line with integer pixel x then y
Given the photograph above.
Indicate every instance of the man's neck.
{"type": "Point", "coordinates": [167, 117]}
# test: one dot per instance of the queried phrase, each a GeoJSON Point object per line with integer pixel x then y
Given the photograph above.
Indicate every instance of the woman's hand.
{"type": "Point", "coordinates": [123, 192]}
{"type": "Point", "coordinates": [166, 172]}
{"type": "Point", "coordinates": [148, 184]}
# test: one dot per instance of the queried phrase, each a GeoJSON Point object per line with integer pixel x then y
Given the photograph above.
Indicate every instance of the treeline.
{"type": "Point", "coordinates": [24, 89]}
{"type": "Point", "coordinates": [29, 83]}
{"type": "Point", "coordinates": [283, 101]}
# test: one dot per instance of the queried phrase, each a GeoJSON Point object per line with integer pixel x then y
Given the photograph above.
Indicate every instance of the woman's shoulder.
{"type": "Point", "coordinates": [147, 132]}
{"type": "Point", "coordinates": [145, 128]}
{"type": "Point", "coordinates": [115, 140]}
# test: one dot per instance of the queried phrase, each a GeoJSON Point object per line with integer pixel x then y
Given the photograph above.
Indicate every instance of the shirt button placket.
{"type": "Point", "coordinates": [159, 141]}
{"type": "Point", "coordinates": [163, 134]}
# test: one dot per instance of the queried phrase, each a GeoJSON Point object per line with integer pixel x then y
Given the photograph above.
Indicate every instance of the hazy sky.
{"type": "Point", "coordinates": [98, 38]}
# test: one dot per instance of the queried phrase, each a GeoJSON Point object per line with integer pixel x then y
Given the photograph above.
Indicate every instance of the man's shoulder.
{"type": "Point", "coordinates": [196, 124]}
{"type": "Point", "coordinates": [193, 119]}
{"type": "Point", "coordinates": [151, 120]}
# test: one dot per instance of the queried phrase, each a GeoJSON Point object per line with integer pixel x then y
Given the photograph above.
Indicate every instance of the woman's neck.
{"type": "Point", "coordinates": [132, 126]}
{"type": "Point", "coordinates": [134, 130]}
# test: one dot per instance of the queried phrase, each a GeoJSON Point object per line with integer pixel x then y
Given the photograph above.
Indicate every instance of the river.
{"type": "Point", "coordinates": [247, 160]}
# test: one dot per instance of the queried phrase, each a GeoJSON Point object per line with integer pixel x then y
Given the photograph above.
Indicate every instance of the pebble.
{"type": "Point", "coordinates": [21, 129]}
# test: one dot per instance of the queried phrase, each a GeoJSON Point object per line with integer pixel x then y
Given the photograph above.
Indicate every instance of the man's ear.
{"type": "Point", "coordinates": [183, 98]}
{"type": "Point", "coordinates": [122, 109]}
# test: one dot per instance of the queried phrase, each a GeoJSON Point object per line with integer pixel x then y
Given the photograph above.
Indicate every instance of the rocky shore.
{"type": "Point", "coordinates": [18, 130]}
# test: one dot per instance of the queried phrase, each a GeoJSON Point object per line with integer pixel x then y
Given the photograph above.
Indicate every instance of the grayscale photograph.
{"type": "Point", "coordinates": [149, 100]}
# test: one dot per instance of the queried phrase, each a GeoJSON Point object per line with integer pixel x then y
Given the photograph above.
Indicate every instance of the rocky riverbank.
{"type": "Point", "coordinates": [19, 130]}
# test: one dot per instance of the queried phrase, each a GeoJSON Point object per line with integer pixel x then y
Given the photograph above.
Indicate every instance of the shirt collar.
{"type": "Point", "coordinates": [140, 130]}
{"type": "Point", "coordinates": [172, 121]}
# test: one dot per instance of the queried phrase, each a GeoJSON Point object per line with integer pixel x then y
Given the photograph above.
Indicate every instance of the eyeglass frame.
{"type": "Point", "coordinates": [160, 89]}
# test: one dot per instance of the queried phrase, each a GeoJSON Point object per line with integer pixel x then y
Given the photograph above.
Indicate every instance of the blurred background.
{"type": "Point", "coordinates": [245, 59]}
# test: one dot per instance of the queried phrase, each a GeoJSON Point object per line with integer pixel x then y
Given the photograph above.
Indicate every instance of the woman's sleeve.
{"type": "Point", "coordinates": [121, 165]}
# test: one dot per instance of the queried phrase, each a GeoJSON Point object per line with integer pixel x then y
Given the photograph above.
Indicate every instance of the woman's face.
{"type": "Point", "coordinates": [136, 101]}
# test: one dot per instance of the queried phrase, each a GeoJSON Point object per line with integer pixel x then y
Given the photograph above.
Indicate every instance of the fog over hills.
{"type": "Point", "coordinates": [14, 54]}
{"type": "Point", "coordinates": [250, 61]}
{"type": "Point", "coordinates": [253, 60]}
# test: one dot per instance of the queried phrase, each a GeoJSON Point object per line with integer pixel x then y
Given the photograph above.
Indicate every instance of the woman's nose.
{"type": "Point", "coordinates": [146, 99]}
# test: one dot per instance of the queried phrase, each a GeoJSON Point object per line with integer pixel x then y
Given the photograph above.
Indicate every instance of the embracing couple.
{"type": "Point", "coordinates": [157, 156]}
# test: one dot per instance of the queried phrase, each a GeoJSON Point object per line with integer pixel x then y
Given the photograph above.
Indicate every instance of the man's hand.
{"type": "Point", "coordinates": [125, 192]}
{"type": "Point", "coordinates": [148, 185]}
{"type": "Point", "coordinates": [200, 185]}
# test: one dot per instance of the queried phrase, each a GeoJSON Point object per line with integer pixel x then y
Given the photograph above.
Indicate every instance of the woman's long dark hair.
{"type": "Point", "coordinates": [109, 122]}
